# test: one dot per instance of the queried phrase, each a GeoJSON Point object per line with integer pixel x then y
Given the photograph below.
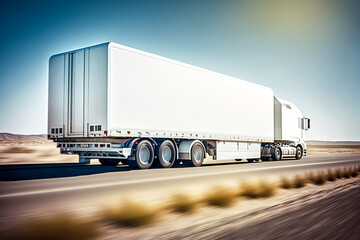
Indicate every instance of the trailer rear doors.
{"type": "Point", "coordinates": [78, 93]}
{"type": "Point", "coordinates": [75, 95]}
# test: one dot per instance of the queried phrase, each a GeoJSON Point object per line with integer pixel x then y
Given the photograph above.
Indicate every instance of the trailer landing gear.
{"type": "Point", "coordinates": [84, 160]}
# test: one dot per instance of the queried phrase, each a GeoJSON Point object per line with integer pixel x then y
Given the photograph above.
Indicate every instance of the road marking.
{"type": "Point", "coordinates": [99, 185]}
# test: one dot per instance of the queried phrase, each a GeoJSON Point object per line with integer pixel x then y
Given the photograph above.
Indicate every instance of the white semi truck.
{"type": "Point", "coordinates": [118, 104]}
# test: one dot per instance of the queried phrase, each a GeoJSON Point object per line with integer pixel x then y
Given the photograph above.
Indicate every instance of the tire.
{"type": "Point", "coordinates": [144, 155]}
{"type": "Point", "coordinates": [276, 156]}
{"type": "Point", "coordinates": [197, 156]}
{"type": "Point", "coordinates": [265, 159]}
{"type": "Point", "coordinates": [299, 152]}
{"type": "Point", "coordinates": [250, 160]}
{"type": "Point", "coordinates": [109, 162]}
{"type": "Point", "coordinates": [166, 154]}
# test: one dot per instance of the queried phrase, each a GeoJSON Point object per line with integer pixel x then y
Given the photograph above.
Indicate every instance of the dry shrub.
{"type": "Point", "coordinates": [299, 181]}
{"type": "Point", "coordinates": [57, 227]}
{"type": "Point", "coordinates": [347, 173]}
{"type": "Point", "coordinates": [220, 197]}
{"type": "Point", "coordinates": [182, 203]}
{"type": "Point", "coordinates": [267, 189]}
{"type": "Point", "coordinates": [331, 175]}
{"type": "Point", "coordinates": [354, 171]}
{"type": "Point", "coordinates": [259, 190]}
{"type": "Point", "coordinates": [285, 183]}
{"type": "Point", "coordinates": [131, 214]}
{"type": "Point", "coordinates": [339, 173]}
{"type": "Point", "coordinates": [310, 177]}
{"type": "Point", "coordinates": [319, 179]}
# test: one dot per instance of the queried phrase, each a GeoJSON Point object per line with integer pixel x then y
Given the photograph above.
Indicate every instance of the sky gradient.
{"type": "Point", "coordinates": [307, 51]}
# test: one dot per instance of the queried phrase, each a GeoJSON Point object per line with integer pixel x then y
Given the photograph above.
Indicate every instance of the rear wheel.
{"type": "Point", "coordinates": [109, 162]}
{"type": "Point", "coordinates": [299, 152]}
{"type": "Point", "coordinates": [144, 155]}
{"type": "Point", "coordinates": [166, 154]}
{"type": "Point", "coordinates": [197, 156]}
{"type": "Point", "coordinates": [276, 156]}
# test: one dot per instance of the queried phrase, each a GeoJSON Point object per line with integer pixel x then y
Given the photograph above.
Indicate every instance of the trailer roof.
{"type": "Point", "coordinates": [113, 44]}
{"type": "Point", "coordinates": [184, 64]}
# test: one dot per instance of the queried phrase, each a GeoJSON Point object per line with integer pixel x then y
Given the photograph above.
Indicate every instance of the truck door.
{"type": "Point", "coordinates": [75, 94]}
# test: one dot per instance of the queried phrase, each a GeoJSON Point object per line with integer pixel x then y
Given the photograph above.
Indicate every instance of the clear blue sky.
{"type": "Point", "coordinates": [307, 51]}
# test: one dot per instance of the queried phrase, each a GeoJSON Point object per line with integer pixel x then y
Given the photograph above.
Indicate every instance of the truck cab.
{"type": "Point", "coordinates": [290, 128]}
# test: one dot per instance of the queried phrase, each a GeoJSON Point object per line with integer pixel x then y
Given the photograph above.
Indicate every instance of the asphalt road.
{"type": "Point", "coordinates": [31, 190]}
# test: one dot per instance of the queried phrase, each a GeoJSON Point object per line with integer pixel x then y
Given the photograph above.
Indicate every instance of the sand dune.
{"type": "Point", "coordinates": [10, 137]}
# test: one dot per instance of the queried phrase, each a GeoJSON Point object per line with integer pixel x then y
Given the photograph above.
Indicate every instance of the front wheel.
{"type": "Point", "coordinates": [299, 153]}
{"type": "Point", "coordinates": [144, 155]}
{"type": "Point", "coordinates": [277, 154]}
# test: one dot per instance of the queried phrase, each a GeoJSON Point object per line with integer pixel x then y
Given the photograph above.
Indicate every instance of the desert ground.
{"type": "Point", "coordinates": [325, 211]}
{"type": "Point", "coordinates": [329, 149]}
{"type": "Point", "coordinates": [313, 212]}
{"type": "Point", "coordinates": [31, 152]}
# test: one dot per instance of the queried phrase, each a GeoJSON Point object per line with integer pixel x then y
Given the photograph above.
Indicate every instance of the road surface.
{"type": "Point", "coordinates": [40, 189]}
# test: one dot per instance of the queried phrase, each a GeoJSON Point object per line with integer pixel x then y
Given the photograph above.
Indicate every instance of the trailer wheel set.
{"type": "Point", "coordinates": [148, 153]}
{"type": "Point", "coordinates": [161, 154]}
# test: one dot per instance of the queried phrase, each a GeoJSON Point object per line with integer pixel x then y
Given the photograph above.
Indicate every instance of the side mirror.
{"type": "Point", "coordinates": [307, 123]}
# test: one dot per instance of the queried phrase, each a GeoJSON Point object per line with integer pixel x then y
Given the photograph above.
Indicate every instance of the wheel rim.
{"type": "Point", "coordinates": [277, 154]}
{"type": "Point", "coordinates": [299, 153]}
{"type": "Point", "coordinates": [197, 153]}
{"type": "Point", "coordinates": [144, 155]}
{"type": "Point", "coordinates": [166, 154]}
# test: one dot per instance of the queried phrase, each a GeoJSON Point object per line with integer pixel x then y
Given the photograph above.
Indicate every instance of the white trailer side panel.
{"type": "Point", "coordinates": [154, 95]}
{"type": "Point", "coordinates": [237, 150]}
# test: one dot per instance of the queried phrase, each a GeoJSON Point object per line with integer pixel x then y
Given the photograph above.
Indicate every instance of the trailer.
{"type": "Point", "coordinates": [118, 104]}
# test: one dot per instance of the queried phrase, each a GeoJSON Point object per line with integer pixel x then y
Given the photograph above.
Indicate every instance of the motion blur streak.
{"type": "Point", "coordinates": [159, 179]}
{"type": "Point", "coordinates": [308, 46]}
